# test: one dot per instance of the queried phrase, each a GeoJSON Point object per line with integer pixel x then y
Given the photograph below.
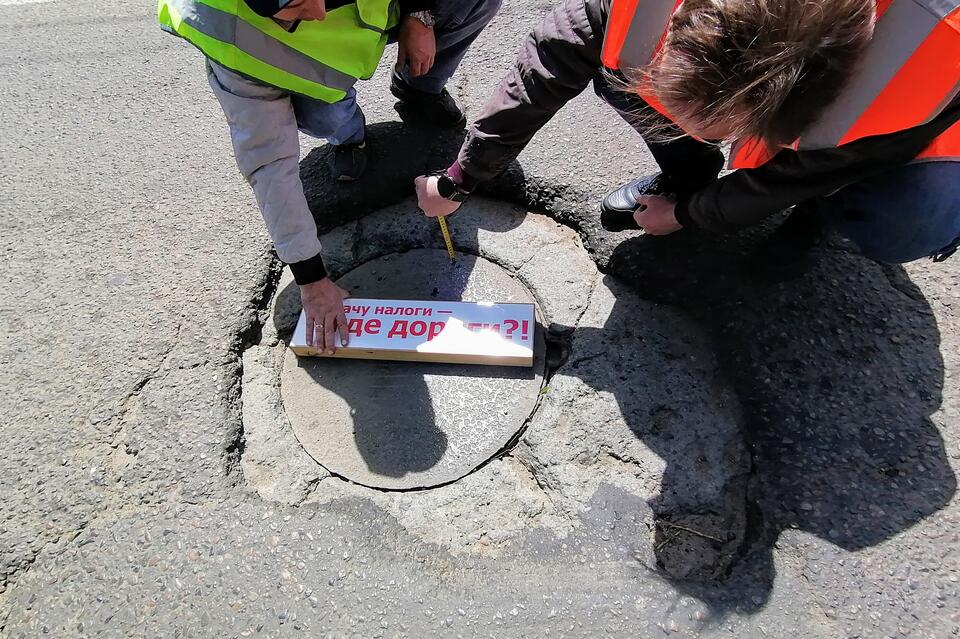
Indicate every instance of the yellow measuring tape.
{"type": "Point", "coordinates": [446, 237]}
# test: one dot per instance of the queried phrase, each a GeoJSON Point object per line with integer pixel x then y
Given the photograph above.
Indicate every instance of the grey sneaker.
{"type": "Point", "coordinates": [349, 161]}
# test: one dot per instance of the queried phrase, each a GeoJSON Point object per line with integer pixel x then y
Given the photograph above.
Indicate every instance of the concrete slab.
{"type": "Point", "coordinates": [609, 419]}
{"type": "Point", "coordinates": [402, 425]}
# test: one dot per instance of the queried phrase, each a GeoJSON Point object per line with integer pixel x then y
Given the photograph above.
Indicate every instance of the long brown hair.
{"type": "Point", "coordinates": [759, 68]}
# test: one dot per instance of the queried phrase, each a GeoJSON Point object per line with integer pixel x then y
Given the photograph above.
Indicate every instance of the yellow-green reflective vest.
{"type": "Point", "coordinates": [320, 59]}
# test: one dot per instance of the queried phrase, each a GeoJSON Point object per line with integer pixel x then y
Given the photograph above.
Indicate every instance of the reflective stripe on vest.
{"type": "Point", "coordinates": [635, 32]}
{"type": "Point", "coordinates": [946, 147]}
{"type": "Point", "coordinates": [321, 59]}
{"type": "Point", "coordinates": [910, 71]}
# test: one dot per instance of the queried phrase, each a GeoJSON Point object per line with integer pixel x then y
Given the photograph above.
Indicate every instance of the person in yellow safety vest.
{"type": "Point", "coordinates": [846, 110]}
{"type": "Point", "coordinates": [277, 66]}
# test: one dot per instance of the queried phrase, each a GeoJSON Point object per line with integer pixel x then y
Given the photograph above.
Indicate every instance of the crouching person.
{"type": "Point", "coordinates": [279, 66]}
{"type": "Point", "coordinates": [845, 110]}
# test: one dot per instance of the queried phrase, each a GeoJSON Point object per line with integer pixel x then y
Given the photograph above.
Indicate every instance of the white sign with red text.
{"type": "Point", "coordinates": [431, 331]}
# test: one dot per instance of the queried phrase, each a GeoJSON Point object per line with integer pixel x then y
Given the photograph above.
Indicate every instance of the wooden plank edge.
{"type": "Point", "coordinates": [416, 356]}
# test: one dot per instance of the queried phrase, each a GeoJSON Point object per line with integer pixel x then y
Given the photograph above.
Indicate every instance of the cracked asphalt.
{"type": "Point", "coordinates": [136, 323]}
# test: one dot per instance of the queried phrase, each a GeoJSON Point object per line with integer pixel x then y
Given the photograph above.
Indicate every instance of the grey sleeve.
{"type": "Point", "coordinates": [263, 129]}
{"type": "Point", "coordinates": [555, 64]}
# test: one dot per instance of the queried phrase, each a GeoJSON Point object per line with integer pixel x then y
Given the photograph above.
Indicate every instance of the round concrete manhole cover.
{"type": "Point", "coordinates": [402, 425]}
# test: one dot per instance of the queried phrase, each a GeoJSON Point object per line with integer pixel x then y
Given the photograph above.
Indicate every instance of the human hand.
{"type": "Point", "coordinates": [323, 306]}
{"type": "Point", "coordinates": [429, 199]}
{"type": "Point", "coordinates": [416, 46]}
{"type": "Point", "coordinates": [656, 216]}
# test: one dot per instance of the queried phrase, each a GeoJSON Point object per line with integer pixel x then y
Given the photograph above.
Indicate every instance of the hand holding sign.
{"type": "Point", "coordinates": [323, 309]}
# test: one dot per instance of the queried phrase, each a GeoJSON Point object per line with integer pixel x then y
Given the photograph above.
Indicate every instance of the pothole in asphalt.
{"type": "Point", "coordinates": [408, 425]}
{"type": "Point", "coordinates": [633, 402]}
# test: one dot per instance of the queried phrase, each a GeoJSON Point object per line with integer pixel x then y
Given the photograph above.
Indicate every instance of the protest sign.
{"type": "Point", "coordinates": [431, 331]}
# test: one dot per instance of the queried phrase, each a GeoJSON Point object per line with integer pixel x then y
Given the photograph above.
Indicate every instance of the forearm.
{"type": "Point", "coordinates": [746, 197]}
{"type": "Point", "coordinates": [263, 129]}
{"type": "Point", "coordinates": [288, 218]}
{"type": "Point", "coordinates": [555, 64]}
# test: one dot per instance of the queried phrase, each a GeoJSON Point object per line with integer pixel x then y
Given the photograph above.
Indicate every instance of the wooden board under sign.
{"type": "Point", "coordinates": [498, 334]}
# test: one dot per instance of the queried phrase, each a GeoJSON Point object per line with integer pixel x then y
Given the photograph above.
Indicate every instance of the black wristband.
{"type": "Point", "coordinates": [450, 190]}
{"type": "Point", "coordinates": [682, 212]}
{"type": "Point", "coordinates": [308, 271]}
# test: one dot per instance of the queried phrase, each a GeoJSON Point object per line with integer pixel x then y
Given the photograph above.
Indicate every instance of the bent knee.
{"type": "Point", "coordinates": [902, 215]}
{"type": "Point", "coordinates": [898, 250]}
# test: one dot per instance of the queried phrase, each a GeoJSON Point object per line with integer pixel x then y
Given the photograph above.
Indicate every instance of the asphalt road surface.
{"type": "Point", "coordinates": [136, 274]}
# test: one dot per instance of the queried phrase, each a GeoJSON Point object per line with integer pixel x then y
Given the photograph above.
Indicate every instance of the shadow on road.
{"type": "Point", "coordinates": [396, 153]}
{"type": "Point", "coordinates": [837, 372]}
{"type": "Point", "coordinates": [396, 442]}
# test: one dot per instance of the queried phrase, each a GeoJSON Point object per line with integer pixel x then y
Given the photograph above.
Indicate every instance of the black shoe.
{"type": "Point", "coordinates": [618, 207]}
{"type": "Point", "coordinates": [790, 251]}
{"type": "Point", "coordinates": [437, 109]}
{"type": "Point", "coordinates": [349, 161]}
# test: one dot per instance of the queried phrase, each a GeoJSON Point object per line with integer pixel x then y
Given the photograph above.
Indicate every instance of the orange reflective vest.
{"type": "Point", "coordinates": [909, 73]}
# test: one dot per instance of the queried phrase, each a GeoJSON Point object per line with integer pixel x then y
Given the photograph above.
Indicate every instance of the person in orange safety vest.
{"type": "Point", "coordinates": [848, 111]}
